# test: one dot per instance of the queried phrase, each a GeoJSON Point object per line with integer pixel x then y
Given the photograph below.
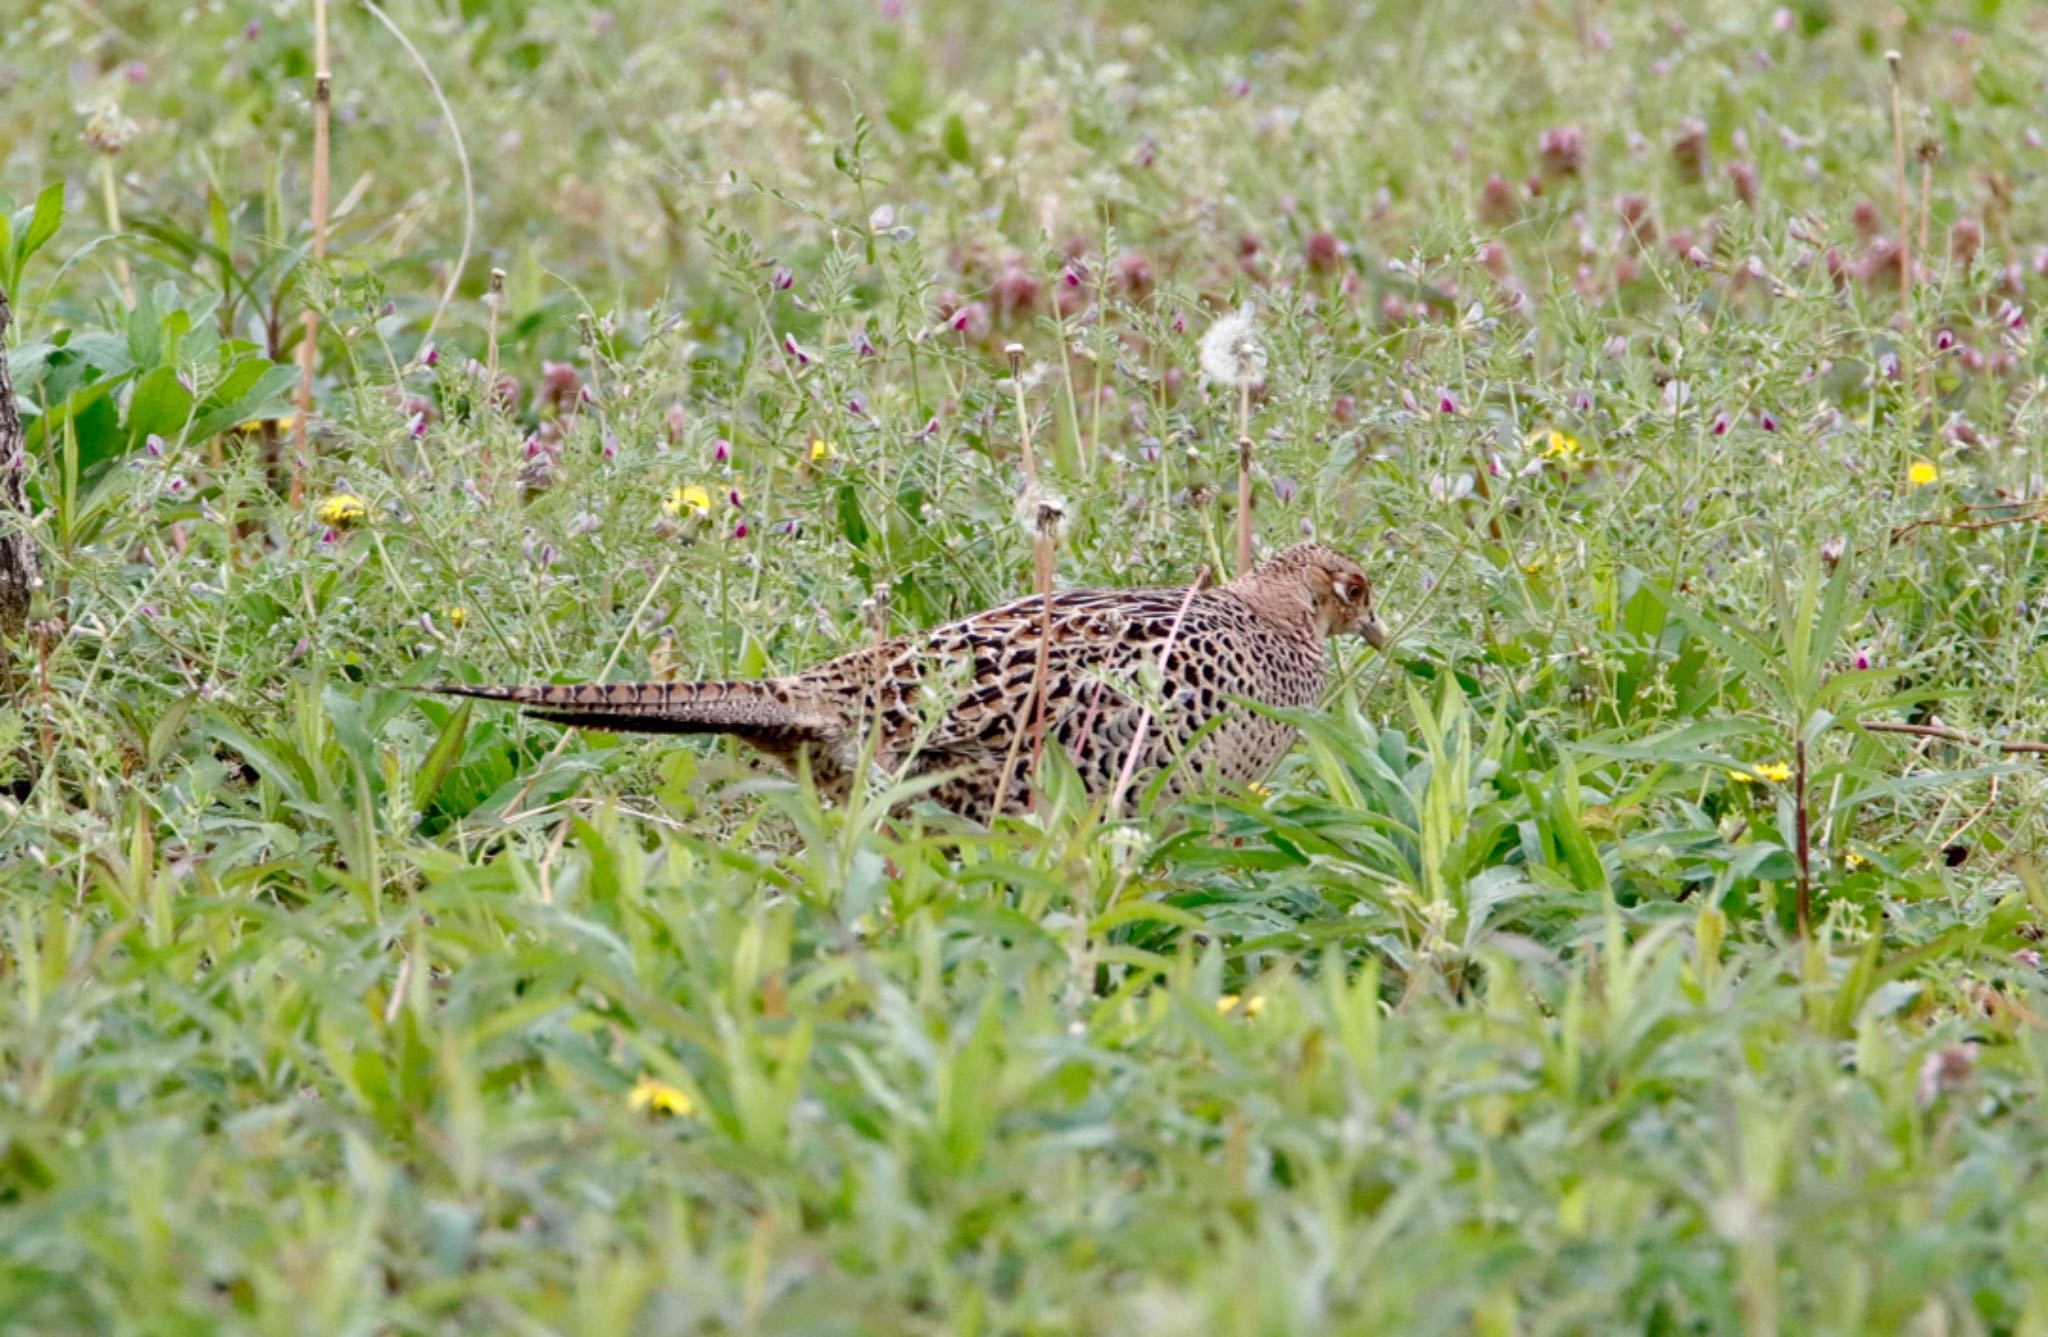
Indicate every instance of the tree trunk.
{"type": "Point", "coordinates": [20, 574]}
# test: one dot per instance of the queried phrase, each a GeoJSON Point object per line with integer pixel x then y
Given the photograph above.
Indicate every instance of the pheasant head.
{"type": "Point", "coordinates": [1314, 584]}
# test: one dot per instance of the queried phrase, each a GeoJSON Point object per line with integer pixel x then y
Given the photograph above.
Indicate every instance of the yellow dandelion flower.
{"type": "Point", "coordinates": [1230, 1002]}
{"type": "Point", "coordinates": [1556, 445]}
{"type": "Point", "coordinates": [659, 1098]}
{"type": "Point", "coordinates": [1922, 472]}
{"type": "Point", "coordinates": [1775, 772]}
{"type": "Point", "coordinates": [688, 499]}
{"type": "Point", "coordinates": [341, 510]}
{"type": "Point", "coordinates": [823, 450]}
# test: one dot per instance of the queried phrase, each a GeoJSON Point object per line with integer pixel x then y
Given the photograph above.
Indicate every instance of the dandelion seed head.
{"type": "Point", "coordinates": [1231, 352]}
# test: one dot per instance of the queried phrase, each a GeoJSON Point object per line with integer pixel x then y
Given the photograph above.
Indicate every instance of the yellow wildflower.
{"type": "Point", "coordinates": [1258, 789]}
{"type": "Point", "coordinates": [659, 1098]}
{"type": "Point", "coordinates": [455, 615]}
{"type": "Point", "coordinates": [1556, 445]}
{"type": "Point", "coordinates": [1229, 1003]}
{"type": "Point", "coordinates": [687, 500]}
{"type": "Point", "coordinates": [1852, 861]}
{"type": "Point", "coordinates": [1922, 472]}
{"type": "Point", "coordinates": [341, 510]}
{"type": "Point", "coordinates": [1776, 772]}
{"type": "Point", "coordinates": [823, 450]}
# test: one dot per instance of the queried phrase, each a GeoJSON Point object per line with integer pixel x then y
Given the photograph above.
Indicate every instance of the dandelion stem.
{"type": "Point", "coordinates": [1016, 354]}
{"type": "Point", "coordinates": [1244, 479]}
{"type": "Point", "coordinates": [323, 97]}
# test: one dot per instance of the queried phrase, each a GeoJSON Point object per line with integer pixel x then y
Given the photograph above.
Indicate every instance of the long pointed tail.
{"type": "Point", "coordinates": [749, 709]}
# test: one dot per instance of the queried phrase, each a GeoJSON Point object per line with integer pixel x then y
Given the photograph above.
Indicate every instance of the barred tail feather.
{"type": "Point", "coordinates": [750, 709]}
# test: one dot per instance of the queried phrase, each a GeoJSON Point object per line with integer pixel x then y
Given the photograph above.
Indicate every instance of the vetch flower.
{"type": "Point", "coordinates": [657, 1097]}
{"type": "Point", "coordinates": [1946, 1069]}
{"type": "Point", "coordinates": [1920, 473]}
{"type": "Point", "coordinates": [1231, 352]}
{"type": "Point", "coordinates": [341, 511]}
{"type": "Point", "coordinates": [689, 499]}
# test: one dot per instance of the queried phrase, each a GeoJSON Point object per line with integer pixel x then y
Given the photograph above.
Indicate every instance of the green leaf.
{"type": "Point", "coordinates": [958, 147]}
{"type": "Point", "coordinates": [852, 524]}
{"type": "Point", "coordinates": [43, 223]}
{"type": "Point", "coordinates": [159, 405]}
{"type": "Point", "coordinates": [256, 388]}
{"type": "Point", "coordinates": [441, 759]}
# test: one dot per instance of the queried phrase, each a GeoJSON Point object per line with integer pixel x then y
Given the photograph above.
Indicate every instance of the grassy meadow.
{"type": "Point", "coordinates": [1649, 942]}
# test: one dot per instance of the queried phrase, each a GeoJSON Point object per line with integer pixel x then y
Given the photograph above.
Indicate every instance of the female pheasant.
{"type": "Point", "coordinates": [950, 703]}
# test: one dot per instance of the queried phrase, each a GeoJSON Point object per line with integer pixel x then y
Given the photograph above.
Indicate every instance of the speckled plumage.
{"type": "Point", "coordinates": [953, 700]}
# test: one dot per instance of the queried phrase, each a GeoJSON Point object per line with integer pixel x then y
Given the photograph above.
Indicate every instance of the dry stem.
{"type": "Point", "coordinates": [323, 97]}
{"type": "Point", "coordinates": [1130, 767]}
{"type": "Point", "coordinates": [1244, 479]}
{"type": "Point", "coordinates": [1942, 731]}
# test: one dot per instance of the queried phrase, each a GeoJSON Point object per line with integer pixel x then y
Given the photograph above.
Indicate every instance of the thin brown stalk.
{"type": "Point", "coordinates": [493, 300]}
{"type": "Point", "coordinates": [1927, 151]}
{"type": "Point", "coordinates": [1947, 734]}
{"type": "Point", "coordinates": [323, 97]}
{"type": "Point", "coordinates": [1244, 479]}
{"type": "Point", "coordinates": [1990, 802]}
{"type": "Point", "coordinates": [1048, 519]}
{"type": "Point", "coordinates": [1905, 207]}
{"type": "Point", "coordinates": [1933, 522]}
{"type": "Point", "coordinates": [1802, 835]}
{"type": "Point", "coordinates": [1130, 767]}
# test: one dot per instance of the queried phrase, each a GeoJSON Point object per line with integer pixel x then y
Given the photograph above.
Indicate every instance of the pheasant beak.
{"type": "Point", "coordinates": [1375, 632]}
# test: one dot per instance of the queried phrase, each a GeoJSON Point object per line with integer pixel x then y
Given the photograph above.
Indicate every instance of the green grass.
{"type": "Point", "coordinates": [323, 1004]}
